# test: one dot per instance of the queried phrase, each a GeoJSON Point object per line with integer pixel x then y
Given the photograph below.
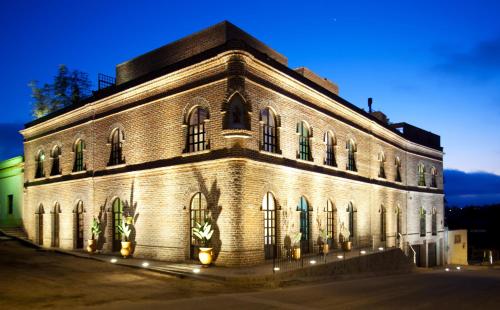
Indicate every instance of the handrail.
{"type": "Point", "coordinates": [414, 254]}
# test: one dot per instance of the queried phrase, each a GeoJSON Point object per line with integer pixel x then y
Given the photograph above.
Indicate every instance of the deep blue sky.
{"type": "Point", "coordinates": [435, 64]}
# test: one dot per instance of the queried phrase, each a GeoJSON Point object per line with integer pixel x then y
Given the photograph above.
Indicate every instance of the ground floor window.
{"type": "Point", "coordinates": [269, 209]}
{"type": "Point", "coordinates": [304, 225]}
{"type": "Point", "coordinates": [199, 214]}
{"type": "Point", "coordinates": [117, 214]}
{"type": "Point", "coordinates": [55, 225]}
{"type": "Point", "coordinates": [79, 225]}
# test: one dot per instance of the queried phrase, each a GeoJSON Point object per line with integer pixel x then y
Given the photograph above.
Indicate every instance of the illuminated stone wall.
{"type": "Point", "coordinates": [234, 175]}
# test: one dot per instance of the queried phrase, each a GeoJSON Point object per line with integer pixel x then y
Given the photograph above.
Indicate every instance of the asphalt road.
{"type": "Point", "coordinates": [39, 279]}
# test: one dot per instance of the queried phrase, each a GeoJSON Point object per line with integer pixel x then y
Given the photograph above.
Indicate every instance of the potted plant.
{"type": "Point", "coordinates": [125, 231]}
{"type": "Point", "coordinates": [323, 241]}
{"type": "Point", "coordinates": [344, 239]}
{"type": "Point", "coordinates": [203, 232]}
{"type": "Point", "coordinates": [95, 231]}
{"type": "Point", "coordinates": [296, 246]}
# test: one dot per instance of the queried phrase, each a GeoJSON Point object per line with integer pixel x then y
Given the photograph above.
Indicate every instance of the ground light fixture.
{"type": "Point", "coordinates": [340, 256]}
{"type": "Point", "coordinates": [312, 262]}
{"type": "Point", "coordinates": [363, 252]}
{"type": "Point", "coordinates": [458, 268]}
{"type": "Point", "coordinates": [447, 269]}
{"type": "Point", "coordinates": [145, 264]}
{"type": "Point", "coordinates": [276, 268]}
{"type": "Point", "coordinates": [381, 249]}
{"type": "Point", "coordinates": [196, 270]}
{"type": "Point", "coordinates": [113, 260]}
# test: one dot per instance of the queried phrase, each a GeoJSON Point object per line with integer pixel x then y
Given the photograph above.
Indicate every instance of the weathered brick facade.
{"type": "Point", "coordinates": [160, 175]}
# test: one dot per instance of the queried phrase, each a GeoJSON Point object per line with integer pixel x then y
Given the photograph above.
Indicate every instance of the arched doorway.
{"type": "Point", "coordinates": [304, 225]}
{"type": "Point", "coordinates": [198, 214]}
{"type": "Point", "coordinates": [117, 215]}
{"type": "Point", "coordinates": [269, 209]}
{"type": "Point", "coordinates": [39, 225]}
{"type": "Point", "coordinates": [352, 222]}
{"type": "Point", "coordinates": [55, 225]}
{"type": "Point", "coordinates": [79, 225]}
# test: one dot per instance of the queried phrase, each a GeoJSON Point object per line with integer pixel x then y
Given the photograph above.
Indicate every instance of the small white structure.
{"type": "Point", "coordinates": [456, 253]}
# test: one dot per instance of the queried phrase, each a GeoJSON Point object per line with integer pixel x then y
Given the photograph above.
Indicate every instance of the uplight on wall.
{"type": "Point", "coordinates": [363, 252]}
{"type": "Point", "coordinates": [113, 260]}
{"type": "Point", "coordinates": [145, 264]}
{"type": "Point", "coordinates": [196, 270]}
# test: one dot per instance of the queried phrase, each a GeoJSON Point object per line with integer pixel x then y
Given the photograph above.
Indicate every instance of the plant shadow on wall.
{"type": "Point", "coordinates": [214, 210]}
{"type": "Point", "coordinates": [130, 215]}
{"type": "Point", "coordinates": [102, 217]}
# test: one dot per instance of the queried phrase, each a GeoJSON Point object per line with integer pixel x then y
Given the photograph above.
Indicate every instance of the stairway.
{"type": "Point", "coordinates": [16, 232]}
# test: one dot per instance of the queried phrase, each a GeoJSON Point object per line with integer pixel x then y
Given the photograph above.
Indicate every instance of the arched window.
{"type": "Point", "coordinates": [79, 225]}
{"type": "Point", "coordinates": [269, 130]}
{"type": "Point", "coordinates": [330, 150]}
{"type": "Point", "coordinates": [381, 163]}
{"type": "Point", "coordinates": [422, 222]}
{"type": "Point", "coordinates": [199, 214]}
{"type": "Point", "coordinates": [383, 223]}
{"type": "Point", "coordinates": [237, 119]}
{"type": "Point", "coordinates": [269, 209]}
{"type": "Point", "coordinates": [304, 133]}
{"type": "Point", "coordinates": [330, 222]}
{"type": "Point", "coordinates": [351, 157]}
{"type": "Point", "coordinates": [55, 155]}
{"type": "Point", "coordinates": [398, 222]}
{"type": "Point", "coordinates": [304, 224]}
{"type": "Point", "coordinates": [434, 221]}
{"type": "Point", "coordinates": [421, 175]}
{"type": "Point", "coordinates": [117, 214]}
{"type": "Point", "coordinates": [351, 221]}
{"type": "Point", "coordinates": [197, 133]}
{"type": "Point", "coordinates": [39, 225]}
{"type": "Point", "coordinates": [78, 148]}
{"type": "Point", "coordinates": [397, 163]}
{"type": "Point", "coordinates": [40, 159]}
{"type": "Point", "coordinates": [116, 156]}
{"type": "Point", "coordinates": [55, 225]}
{"type": "Point", "coordinates": [433, 177]}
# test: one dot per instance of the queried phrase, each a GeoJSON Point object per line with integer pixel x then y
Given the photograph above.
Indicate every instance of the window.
{"type": "Point", "coordinates": [304, 141]}
{"type": "Point", "coordinates": [55, 225]}
{"type": "Point", "coordinates": [381, 162]}
{"type": "Point", "coordinates": [39, 224]}
{"type": "Point", "coordinates": [434, 222]}
{"type": "Point", "coordinates": [351, 220]}
{"type": "Point", "coordinates": [79, 225]}
{"type": "Point", "coordinates": [421, 175]}
{"type": "Point", "coordinates": [78, 150]}
{"type": "Point", "coordinates": [330, 149]}
{"type": "Point", "coordinates": [330, 222]}
{"type": "Point", "coordinates": [383, 229]}
{"type": "Point", "coordinates": [117, 213]}
{"type": "Point", "coordinates": [40, 159]}
{"type": "Point", "coordinates": [397, 163]}
{"type": "Point", "coordinates": [269, 209]}
{"type": "Point", "coordinates": [237, 119]}
{"type": "Point", "coordinates": [269, 131]}
{"type": "Point", "coordinates": [10, 204]}
{"type": "Point", "coordinates": [116, 156]}
{"type": "Point", "coordinates": [351, 159]}
{"type": "Point", "coordinates": [304, 225]}
{"type": "Point", "coordinates": [422, 222]}
{"type": "Point", "coordinates": [199, 213]}
{"type": "Point", "coordinates": [197, 134]}
{"type": "Point", "coordinates": [398, 222]}
{"type": "Point", "coordinates": [433, 177]}
{"type": "Point", "coordinates": [55, 155]}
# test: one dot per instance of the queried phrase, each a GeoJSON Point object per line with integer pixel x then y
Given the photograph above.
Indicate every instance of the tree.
{"type": "Point", "coordinates": [69, 87]}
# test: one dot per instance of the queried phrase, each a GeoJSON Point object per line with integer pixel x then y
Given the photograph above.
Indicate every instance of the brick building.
{"type": "Point", "coordinates": [217, 125]}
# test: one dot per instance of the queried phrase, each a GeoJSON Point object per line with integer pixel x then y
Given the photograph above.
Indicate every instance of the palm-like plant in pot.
{"type": "Point", "coordinates": [95, 232]}
{"type": "Point", "coordinates": [296, 246]}
{"type": "Point", "coordinates": [125, 230]}
{"type": "Point", "coordinates": [344, 238]}
{"type": "Point", "coordinates": [203, 232]}
{"type": "Point", "coordinates": [323, 241]}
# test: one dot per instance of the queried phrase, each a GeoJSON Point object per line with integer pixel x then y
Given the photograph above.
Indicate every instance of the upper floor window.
{"type": "Point", "coordinates": [351, 157]}
{"type": "Point", "coordinates": [269, 130]}
{"type": "Point", "coordinates": [40, 159]}
{"type": "Point", "coordinates": [330, 149]}
{"type": "Point", "coordinates": [55, 155]}
{"type": "Point", "coordinates": [197, 132]}
{"type": "Point", "coordinates": [116, 156]}
{"type": "Point", "coordinates": [381, 162]}
{"type": "Point", "coordinates": [237, 119]}
{"type": "Point", "coordinates": [397, 163]}
{"type": "Point", "coordinates": [433, 177]}
{"type": "Point", "coordinates": [78, 150]}
{"type": "Point", "coordinates": [421, 175]}
{"type": "Point", "coordinates": [304, 133]}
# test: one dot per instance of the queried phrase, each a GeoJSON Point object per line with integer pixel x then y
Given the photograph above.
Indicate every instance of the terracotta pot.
{"type": "Point", "coordinates": [126, 249]}
{"type": "Point", "coordinates": [296, 253]}
{"type": "Point", "coordinates": [91, 245]}
{"type": "Point", "coordinates": [205, 256]}
{"type": "Point", "coordinates": [347, 246]}
{"type": "Point", "coordinates": [325, 248]}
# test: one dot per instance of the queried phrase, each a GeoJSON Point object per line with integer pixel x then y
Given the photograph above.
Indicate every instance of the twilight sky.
{"type": "Point", "coordinates": [434, 64]}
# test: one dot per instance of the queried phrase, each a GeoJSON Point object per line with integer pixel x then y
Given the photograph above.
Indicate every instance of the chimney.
{"type": "Point", "coordinates": [370, 101]}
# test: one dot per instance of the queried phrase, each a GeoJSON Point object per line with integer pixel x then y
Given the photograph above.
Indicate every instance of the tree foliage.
{"type": "Point", "coordinates": [68, 87]}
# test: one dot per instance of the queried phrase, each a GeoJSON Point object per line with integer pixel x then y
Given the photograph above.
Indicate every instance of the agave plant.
{"type": "Point", "coordinates": [95, 229]}
{"type": "Point", "coordinates": [203, 232]}
{"type": "Point", "coordinates": [296, 239]}
{"type": "Point", "coordinates": [125, 231]}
